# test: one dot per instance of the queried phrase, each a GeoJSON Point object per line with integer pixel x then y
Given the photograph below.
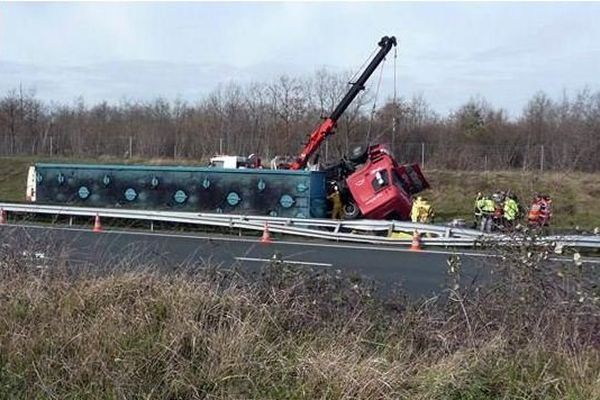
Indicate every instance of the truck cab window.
{"type": "Point", "coordinates": [380, 180]}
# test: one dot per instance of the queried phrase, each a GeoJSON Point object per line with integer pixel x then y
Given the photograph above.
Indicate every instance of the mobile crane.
{"type": "Point", "coordinates": [371, 182]}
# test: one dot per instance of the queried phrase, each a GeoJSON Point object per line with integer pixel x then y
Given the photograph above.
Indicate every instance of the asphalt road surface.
{"type": "Point", "coordinates": [417, 273]}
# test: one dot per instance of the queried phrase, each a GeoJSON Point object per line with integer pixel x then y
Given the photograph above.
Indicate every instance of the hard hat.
{"type": "Point", "coordinates": [419, 198]}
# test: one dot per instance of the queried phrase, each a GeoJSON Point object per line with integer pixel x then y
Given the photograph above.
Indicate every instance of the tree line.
{"type": "Point", "coordinates": [274, 118]}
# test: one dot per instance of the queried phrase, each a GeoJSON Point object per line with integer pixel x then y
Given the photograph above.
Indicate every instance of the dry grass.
{"type": "Point", "coordinates": [294, 334]}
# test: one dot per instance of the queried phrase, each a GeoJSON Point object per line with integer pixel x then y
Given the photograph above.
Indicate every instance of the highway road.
{"type": "Point", "coordinates": [418, 273]}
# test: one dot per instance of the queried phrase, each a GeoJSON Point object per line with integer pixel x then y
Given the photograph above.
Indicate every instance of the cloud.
{"type": "Point", "coordinates": [447, 51]}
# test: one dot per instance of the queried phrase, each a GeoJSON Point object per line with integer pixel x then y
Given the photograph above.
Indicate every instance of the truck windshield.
{"type": "Point", "coordinates": [380, 180]}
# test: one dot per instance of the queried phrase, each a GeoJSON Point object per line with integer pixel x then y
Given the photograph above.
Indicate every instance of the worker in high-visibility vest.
{"type": "Point", "coordinates": [425, 212]}
{"type": "Point", "coordinates": [488, 207]}
{"type": "Point", "coordinates": [478, 208]}
{"type": "Point", "coordinates": [545, 210]}
{"type": "Point", "coordinates": [415, 210]}
{"type": "Point", "coordinates": [511, 210]}
{"type": "Point", "coordinates": [535, 212]}
{"type": "Point", "coordinates": [338, 206]}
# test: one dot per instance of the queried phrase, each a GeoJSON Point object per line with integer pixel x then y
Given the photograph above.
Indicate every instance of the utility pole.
{"type": "Point", "coordinates": [130, 146]}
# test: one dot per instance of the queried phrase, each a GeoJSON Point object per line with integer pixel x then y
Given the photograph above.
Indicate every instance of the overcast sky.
{"type": "Point", "coordinates": [448, 52]}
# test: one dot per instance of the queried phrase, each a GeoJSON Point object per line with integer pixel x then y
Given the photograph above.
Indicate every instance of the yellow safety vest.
{"type": "Point", "coordinates": [511, 208]}
{"type": "Point", "coordinates": [488, 206]}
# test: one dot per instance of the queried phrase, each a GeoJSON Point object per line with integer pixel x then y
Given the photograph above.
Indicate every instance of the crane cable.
{"type": "Point", "coordinates": [353, 77]}
{"type": "Point", "coordinates": [361, 68]}
{"type": "Point", "coordinates": [394, 118]}
{"type": "Point", "coordinates": [395, 109]}
{"type": "Point", "coordinates": [374, 109]}
{"type": "Point", "coordinates": [395, 70]}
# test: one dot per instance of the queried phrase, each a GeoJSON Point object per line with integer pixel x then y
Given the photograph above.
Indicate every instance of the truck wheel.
{"type": "Point", "coordinates": [351, 211]}
{"type": "Point", "coordinates": [358, 155]}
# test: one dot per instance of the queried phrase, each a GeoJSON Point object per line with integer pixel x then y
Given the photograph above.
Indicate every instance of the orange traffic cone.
{"type": "Point", "coordinates": [266, 237]}
{"type": "Point", "coordinates": [416, 242]}
{"type": "Point", "coordinates": [97, 225]}
{"type": "Point", "coordinates": [2, 216]}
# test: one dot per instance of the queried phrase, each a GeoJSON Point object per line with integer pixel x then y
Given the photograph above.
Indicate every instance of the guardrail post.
{"type": "Point", "coordinates": [151, 226]}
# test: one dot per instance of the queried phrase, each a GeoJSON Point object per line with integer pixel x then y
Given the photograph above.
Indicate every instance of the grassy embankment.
{"type": "Point", "coordinates": [292, 334]}
{"type": "Point", "coordinates": [575, 194]}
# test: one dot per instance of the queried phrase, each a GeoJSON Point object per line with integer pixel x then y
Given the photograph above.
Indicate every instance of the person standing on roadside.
{"type": "Point", "coordinates": [488, 208]}
{"type": "Point", "coordinates": [511, 210]}
{"type": "Point", "coordinates": [478, 208]}
{"type": "Point", "coordinates": [336, 199]}
{"type": "Point", "coordinates": [426, 212]}
{"type": "Point", "coordinates": [415, 210]}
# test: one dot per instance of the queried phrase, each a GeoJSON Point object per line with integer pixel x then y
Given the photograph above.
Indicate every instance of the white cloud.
{"type": "Point", "coordinates": [447, 51]}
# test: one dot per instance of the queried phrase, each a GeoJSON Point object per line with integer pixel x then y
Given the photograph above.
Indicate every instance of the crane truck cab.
{"type": "Point", "coordinates": [233, 162]}
{"type": "Point", "coordinates": [230, 162]}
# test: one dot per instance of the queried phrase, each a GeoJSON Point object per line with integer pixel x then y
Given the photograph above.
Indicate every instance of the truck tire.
{"type": "Point", "coordinates": [351, 211]}
{"type": "Point", "coordinates": [358, 155]}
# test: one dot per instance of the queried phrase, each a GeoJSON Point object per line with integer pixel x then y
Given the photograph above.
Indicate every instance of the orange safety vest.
{"type": "Point", "coordinates": [534, 212]}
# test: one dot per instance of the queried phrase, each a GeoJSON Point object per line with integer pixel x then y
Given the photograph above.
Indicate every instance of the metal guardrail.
{"type": "Point", "coordinates": [360, 231]}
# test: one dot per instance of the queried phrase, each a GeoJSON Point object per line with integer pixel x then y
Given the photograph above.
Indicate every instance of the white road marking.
{"type": "Point", "coordinates": [282, 261]}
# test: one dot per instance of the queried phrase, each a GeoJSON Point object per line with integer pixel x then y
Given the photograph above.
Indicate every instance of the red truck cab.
{"type": "Point", "coordinates": [383, 189]}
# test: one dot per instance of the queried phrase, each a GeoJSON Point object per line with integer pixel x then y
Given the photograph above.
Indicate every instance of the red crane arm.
{"type": "Point", "coordinates": [326, 128]}
{"type": "Point", "coordinates": [315, 140]}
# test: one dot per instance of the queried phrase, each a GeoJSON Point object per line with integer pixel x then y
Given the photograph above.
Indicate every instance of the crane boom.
{"type": "Point", "coordinates": [326, 127]}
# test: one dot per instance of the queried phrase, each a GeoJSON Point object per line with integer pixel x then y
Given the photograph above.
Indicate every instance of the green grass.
{"type": "Point", "coordinates": [575, 194]}
{"type": "Point", "coordinates": [13, 176]}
